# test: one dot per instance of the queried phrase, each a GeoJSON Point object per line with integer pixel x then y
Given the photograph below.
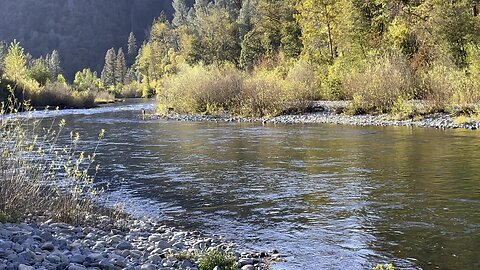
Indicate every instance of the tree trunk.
{"type": "Point", "coordinates": [475, 7]}
{"type": "Point", "coordinates": [329, 32]}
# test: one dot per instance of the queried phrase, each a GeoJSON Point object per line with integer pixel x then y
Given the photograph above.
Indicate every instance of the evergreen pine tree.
{"type": "Point", "coordinates": [108, 73]}
{"type": "Point", "coordinates": [181, 12]}
{"type": "Point", "coordinates": [120, 68]}
{"type": "Point", "coordinates": [3, 53]}
{"type": "Point", "coordinates": [54, 63]}
{"type": "Point", "coordinates": [132, 45]}
{"type": "Point", "coordinates": [130, 76]}
{"type": "Point", "coordinates": [200, 6]}
{"type": "Point", "coordinates": [245, 17]}
{"type": "Point", "coordinates": [132, 49]}
{"type": "Point", "coordinates": [163, 17]}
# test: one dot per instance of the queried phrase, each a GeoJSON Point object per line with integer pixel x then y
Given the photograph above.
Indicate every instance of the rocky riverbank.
{"type": "Point", "coordinates": [326, 112]}
{"type": "Point", "coordinates": [127, 244]}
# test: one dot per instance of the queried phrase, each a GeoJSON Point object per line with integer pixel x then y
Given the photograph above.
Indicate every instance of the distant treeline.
{"type": "Point", "coordinates": [80, 30]}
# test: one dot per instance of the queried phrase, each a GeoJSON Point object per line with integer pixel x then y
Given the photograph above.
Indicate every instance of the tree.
{"type": "Point", "coordinates": [200, 6]}
{"type": "Point", "coordinates": [132, 46]}
{"type": "Point", "coordinates": [317, 20]}
{"type": "Point", "coordinates": [162, 17]}
{"type": "Point", "coordinates": [86, 80]}
{"type": "Point", "coordinates": [453, 27]}
{"type": "Point", "coordinates": [290, 39]}
{"type": "Point", "coordinates": [40, 72]}
{"type": "Point", "coordinates": [15, 63]}
{"type": "Point", "coordinates": [108, 73]}
{"type": "Point", "coordinates": [180, 14]}
{"type": "Point", "coordinates": [251, 51]}
{"type": "Point", "coordinates": [231, 6]}
{"type": "Point", "coordinates": [245, 18]}
{"type": "Point", "coordinates": [3, 53]}
{"type": "Point", "coordinates": [54, 63]}
{"type": "Point", "coordinates": [216, 38]}
{"type": "Point", "coordinates": [120, 68]}
{"type": "Point", "coordinates": [154, 56]}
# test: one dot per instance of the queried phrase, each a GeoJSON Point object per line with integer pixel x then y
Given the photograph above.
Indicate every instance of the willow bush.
{"type": "Point", "coordinates": [215, 89]}
{"type": "Point", "coordinates": [200, 89]}
{"type": "Point", "coordinates": [450, 89]}
{"type": "Point", "coordinates": [380, 85]}
{"type": "Point", "coordinates": [40, 176]}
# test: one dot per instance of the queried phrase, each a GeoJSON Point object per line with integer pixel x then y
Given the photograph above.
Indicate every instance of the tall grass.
{"type": "Point", "coordinates": [40, 176]}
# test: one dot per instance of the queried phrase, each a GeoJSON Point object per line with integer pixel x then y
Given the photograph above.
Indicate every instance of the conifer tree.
{"type": "Point", "coordinates": [15, 62]}
{"type": "Point", "coordinates": [54, 63]}
{"type": "Point", "coordinates": [181, 12]}
{"type": "Point", "coordinates": [120, 68]}
{"type": "Point", "coordinates": [245, 17]}
{"type": "Point", "coordinates": [200, 6]}
{"type": "Point", "coordinates": [108, 73]}
{"type": "Point", "coordinates": [132, 49]}
{"type": "Point", "coordinates": [3, 53]}
{"type": "Point", "coordinates": [163, 17]}
{"type": "Point", "coordinates": [132, 45]}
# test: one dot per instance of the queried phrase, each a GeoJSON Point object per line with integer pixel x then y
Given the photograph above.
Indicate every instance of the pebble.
{"type": "Point", "coordinates": [124, 245]}
{"type": "Point", "coordinates": [25, 267]}
{"type": "Point", "coordinates": [143, 245]}
{"type": "Point", "coordinates": [326, 113]}
{"type": "Point", "coordinates": [48, 246]}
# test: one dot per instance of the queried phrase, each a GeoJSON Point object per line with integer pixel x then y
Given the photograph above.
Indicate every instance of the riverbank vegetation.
{"type": "Point", "coordinates": [259, 57]}
{"type": "Point", "coordinates": [40, 81]}
{"type": "Point", "coordinates": [271, 57]}
{"type": "Point", "coordinates": [40, 177]}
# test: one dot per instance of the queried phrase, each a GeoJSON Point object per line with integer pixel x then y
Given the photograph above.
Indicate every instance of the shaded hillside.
{"type": "Point", "coordinates": [81, 30]}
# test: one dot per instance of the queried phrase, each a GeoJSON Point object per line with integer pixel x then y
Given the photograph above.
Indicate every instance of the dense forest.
{"type": "Point", "coordinates": [257, 57]}
{"type": "Point", "coordinates": [267, 57]}
{"type": "Point", "coordinates": [80, 30]}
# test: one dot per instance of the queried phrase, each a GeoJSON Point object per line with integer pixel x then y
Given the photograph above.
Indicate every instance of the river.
{"type": "Point", "coordinates": [329, 197]}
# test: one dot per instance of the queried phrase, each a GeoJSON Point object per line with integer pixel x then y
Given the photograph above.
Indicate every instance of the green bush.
{"type": "Point", "coordinates": [216, 257]}
{"type": "Point", "coordinates": [132, 90]}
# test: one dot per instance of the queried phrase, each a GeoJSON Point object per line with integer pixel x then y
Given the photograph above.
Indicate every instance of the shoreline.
{"type": "Point", "coordinates": [326, 113]}
{"type": "Point", "coordinates": [123, 244]}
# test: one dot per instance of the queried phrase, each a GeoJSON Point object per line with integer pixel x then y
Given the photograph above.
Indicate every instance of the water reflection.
{"type": "Point", "coordinates": [331, 197]}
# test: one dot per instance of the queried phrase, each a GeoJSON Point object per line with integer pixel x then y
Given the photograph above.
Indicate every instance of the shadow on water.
{"type": "Point", "coordinates": [331, 197]}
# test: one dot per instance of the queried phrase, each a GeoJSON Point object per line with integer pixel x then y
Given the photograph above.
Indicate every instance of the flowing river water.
{"type": "Point", "coordinates": [328, 197]}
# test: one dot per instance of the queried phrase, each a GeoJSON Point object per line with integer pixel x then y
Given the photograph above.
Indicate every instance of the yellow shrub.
{"type": "Point", "coordinates": [448, 88]}
{"type": "Point", "coordinates": [383, 81]}
{"type": "Point", "coordinates": [196, 89]}
{"type": "Point", "coordinates": [265, 93]}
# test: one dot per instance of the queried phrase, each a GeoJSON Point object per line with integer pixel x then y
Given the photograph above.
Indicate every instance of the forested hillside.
{"type": "Point", "coordinates": [254, 57]}
{"type": "Point", "coordinates": [381, 55]}
{"type": "Point", "coordinates": [81, 30]}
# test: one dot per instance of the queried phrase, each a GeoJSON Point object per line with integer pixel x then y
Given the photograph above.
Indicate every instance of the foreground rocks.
{"type": "Point", "coordinates": [138, 245]}
{"type": "Point", "coordinates": [327, 113]}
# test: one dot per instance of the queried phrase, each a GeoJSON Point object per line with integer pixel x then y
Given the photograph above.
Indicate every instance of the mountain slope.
{"type": "Point", "coordinates": [81, 30]}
